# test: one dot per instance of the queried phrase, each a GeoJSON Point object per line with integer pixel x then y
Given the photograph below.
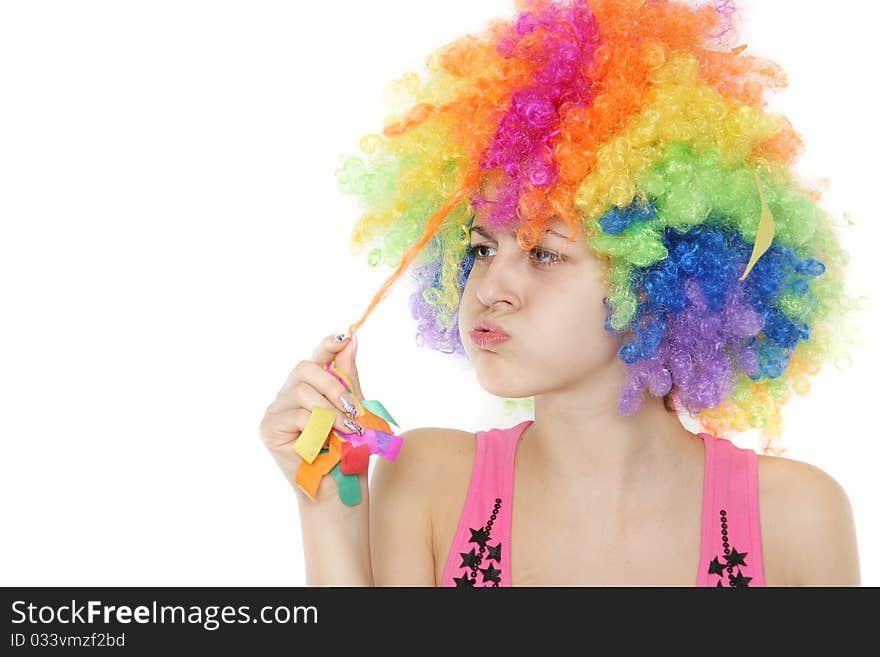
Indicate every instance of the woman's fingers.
{"type": "Point", "coordinates": [282, 427]}
{"type": "Point", "coordinates": [310, 385]}
{"type": "Point", "coordinates": [328, 386]}
{"type": "Point", "coordinates": [287, 417]}
{"type": "Point", "coordinates": [343, 355]}
{"type": "Point", "coordinates": [327, 349]}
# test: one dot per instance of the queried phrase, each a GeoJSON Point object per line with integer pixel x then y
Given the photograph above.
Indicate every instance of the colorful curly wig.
{"type": "Point", "coordinates": [636, 122]}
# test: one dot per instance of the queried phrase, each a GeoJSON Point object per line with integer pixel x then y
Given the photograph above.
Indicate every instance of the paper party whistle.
{"type": "Point", "coordinates": [354, 459]}
{"type": "Point", "coordinates": [357, 440]}
{"type": "Point", "coordinates": [376, 408]}
{"type": "Point", "coordinates": [312, 439]}
{"type": "Point", "coordinates": [381, 443]}
{"type": "Point", "coordinates": [349, 486]}
{"type": "Point", "coordinates": [388, 444]}
{"type": "Point", "coordinates": [370, 421]}
{"type": "Point", "coordinates": [309, 475]}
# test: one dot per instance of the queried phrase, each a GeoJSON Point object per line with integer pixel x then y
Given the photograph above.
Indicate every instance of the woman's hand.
{"type": "Point", "coordinates": [309, 385]}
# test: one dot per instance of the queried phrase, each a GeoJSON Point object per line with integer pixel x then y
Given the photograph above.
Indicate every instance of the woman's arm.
{"type": "Point", "coordinates": [400, 516]}
{"type": "Point", "coordinates": [386, 539]}
{"type": "Point", "coordinates": [336, 541]}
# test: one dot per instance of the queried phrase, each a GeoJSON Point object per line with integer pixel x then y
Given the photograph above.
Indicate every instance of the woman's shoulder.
{"type": "Point", "coordinates": [435, 433]}
{"type": "Point", "coordinates": [430, 447]}
{"type": "Point", "coordinates": [437, 458]}
{"type": "Point", "coordinates": [427, 457]}
{"type": "Point", "coordinates": [404, 496]}
{"type": "Point", "coordinates": [807, 526]}
{"type": "Point", "coordinates": [799, 487]}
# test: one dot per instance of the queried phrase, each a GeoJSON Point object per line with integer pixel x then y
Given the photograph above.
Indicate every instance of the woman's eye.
{"type": "Point", "coordinates": [539, 255]}
{"type": "Point", "coordinates": [554, 258]}
{"type": "Point", "coordinates": [475, 250]}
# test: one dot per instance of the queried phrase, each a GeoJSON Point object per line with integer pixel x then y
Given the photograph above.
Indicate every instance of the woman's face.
{"type": "Point", "coordinates": [549, 300]}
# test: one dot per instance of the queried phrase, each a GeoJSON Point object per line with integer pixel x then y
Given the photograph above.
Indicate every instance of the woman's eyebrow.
{"type": "Point", "coordinates": [486, 233]}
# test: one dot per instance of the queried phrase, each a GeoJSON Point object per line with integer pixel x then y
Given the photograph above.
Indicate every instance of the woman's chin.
{"type": "Point", "coordinates": [499, 383]}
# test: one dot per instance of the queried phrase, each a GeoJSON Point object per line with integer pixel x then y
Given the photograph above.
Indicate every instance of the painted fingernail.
{"type": "Point", "coordinates": [340, 337]}
{"type": "Point", "coordinates": [353, 427]}
{"type": "Point", "coordinates": [349, 405]}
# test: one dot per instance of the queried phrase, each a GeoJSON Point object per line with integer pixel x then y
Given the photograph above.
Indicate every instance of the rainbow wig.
{"type": "Point", "coordinates": [637, 122]}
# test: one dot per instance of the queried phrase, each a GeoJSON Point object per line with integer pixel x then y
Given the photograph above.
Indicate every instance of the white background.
{"type": "Point", "coordinates": [173, 243]}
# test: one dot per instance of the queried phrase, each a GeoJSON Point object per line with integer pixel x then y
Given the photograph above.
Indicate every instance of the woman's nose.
{"type": "Point", "coordinates": [497, 278]}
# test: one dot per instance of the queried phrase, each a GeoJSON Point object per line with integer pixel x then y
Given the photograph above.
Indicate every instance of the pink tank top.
{"type": "Point", "coordinates": [730, 550]}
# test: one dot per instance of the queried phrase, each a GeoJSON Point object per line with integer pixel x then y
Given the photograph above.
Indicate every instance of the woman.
{"type": "Point", "coordinates": [609, 225]}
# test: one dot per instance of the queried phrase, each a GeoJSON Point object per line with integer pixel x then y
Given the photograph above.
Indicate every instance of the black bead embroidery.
{"type": "Point", "coordinates": [732, 557]}
{"type": "Point", "coordinates": [473, 560]}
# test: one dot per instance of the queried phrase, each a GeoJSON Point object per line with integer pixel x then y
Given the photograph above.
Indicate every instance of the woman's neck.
{"type": "Point", "coordinates": [579, 438]}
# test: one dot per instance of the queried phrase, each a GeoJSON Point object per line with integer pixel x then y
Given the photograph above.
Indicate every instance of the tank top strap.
{"type": "Point", "coordinates": [480, 550]}
{"type": "Point", "coordinates": [730, 546]}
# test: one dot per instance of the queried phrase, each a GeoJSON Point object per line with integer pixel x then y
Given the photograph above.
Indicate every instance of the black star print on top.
{"type": "Point", "coordinates": [736, 558]}
{"type": "Point", "coordinates": [715, 567]}
{"type": "Point", "coordinates": [733, 558]}
{"type": "Point", "coordinates": [490, 574]}
{"type": "Point", "coordinates": [479, 536]}
{"type": "Point", "coordinates": [740, 581]}
{"type": "Point", "coordinates": [471, 561]}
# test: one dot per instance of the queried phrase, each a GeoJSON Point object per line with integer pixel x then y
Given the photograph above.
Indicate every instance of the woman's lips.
{"type": "Point", "coordinates": [484, 339]}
